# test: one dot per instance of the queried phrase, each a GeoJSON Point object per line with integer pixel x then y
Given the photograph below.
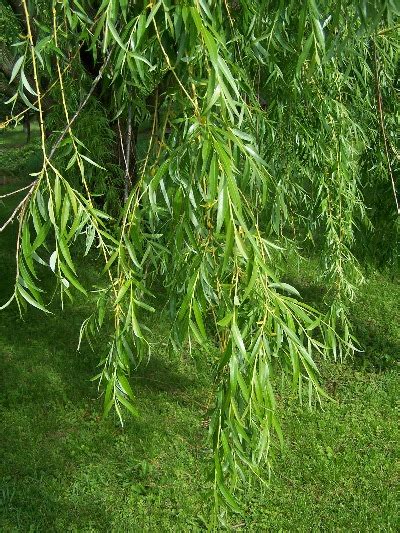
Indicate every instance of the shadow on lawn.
{"type": "Point", "coordinates": [57, 455]}
{"type": "Point", "coordinates": [61, 466]}
{"type": "Point", "coordinates": [379, 344]}
{"type": "Point", "coordinates": [59, 461]}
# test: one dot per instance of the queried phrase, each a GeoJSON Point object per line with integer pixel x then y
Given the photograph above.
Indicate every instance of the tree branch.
{"type": "Point", "coordinates": [17, 7]}
{"type": "Point", "coordinates": [83, 104]}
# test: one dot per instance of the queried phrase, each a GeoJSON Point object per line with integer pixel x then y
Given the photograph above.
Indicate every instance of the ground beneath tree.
{"type": "Point", "coordinates": [63, 468]}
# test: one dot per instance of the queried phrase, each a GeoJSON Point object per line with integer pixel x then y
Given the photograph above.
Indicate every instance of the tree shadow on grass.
{"type": "Point", "coordinates": [44, 399]}
{"type": "Point", "coordinates": [62, 467]}
{"type": "Point", "coordinates": [62, 463]}
{"type": "Point", "coordinates": [380, 348]}
{"type": "Point", "coordinates": [380, 351]}
{"type": "Point", "coordinates": [160, 376]}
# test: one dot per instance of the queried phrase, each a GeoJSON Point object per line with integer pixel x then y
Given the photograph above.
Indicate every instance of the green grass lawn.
{"type": "Point", "coordinates": [63, 468]}
{"type": "Point", "coordinates": [16, 137]}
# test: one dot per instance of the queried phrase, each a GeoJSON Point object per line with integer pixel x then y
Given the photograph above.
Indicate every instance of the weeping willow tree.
{"type": "Point", "coordinates": [196, 145]}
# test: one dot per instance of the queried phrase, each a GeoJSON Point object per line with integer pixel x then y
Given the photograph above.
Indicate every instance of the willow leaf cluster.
{"type": "Point", "coordinates": [245, 130]}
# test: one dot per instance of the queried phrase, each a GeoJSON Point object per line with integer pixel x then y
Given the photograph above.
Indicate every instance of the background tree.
{"type": "Point", "coordinates": [199, 144]}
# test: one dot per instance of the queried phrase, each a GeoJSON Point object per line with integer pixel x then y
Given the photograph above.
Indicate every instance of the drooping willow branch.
{"type": "Point", "coordinates": [382, 125]}
{"type": "Point", "coordinates": [57, 143]}
{"type": "Point", "coordinates": [82, 105]}
{"type": "Point", "coordinates": [19, 206]}
{"type": "Point", "coordinates": [15, 192]}
{"type": "Point", "coordinates": [205, 195]}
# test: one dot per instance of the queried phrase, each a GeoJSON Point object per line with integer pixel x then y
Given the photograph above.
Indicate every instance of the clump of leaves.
{"type": "Point", "coordinates": [256, 135]}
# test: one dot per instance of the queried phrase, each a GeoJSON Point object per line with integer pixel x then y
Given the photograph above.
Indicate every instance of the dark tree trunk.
{"type": "Point", "coordinates": [27, 126]}
{"type": "Point", "coordinates": [17, 7]}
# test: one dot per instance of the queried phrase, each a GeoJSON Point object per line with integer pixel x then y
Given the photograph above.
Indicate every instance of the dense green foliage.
{"type": "Point", "coordinates": [64, 469]}
{"type": "Point", "coordinates": [272, 128]}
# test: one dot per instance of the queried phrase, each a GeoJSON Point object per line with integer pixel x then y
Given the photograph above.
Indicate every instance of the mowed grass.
{"type": "Point", "coordinates": [63, 468]}
{"type": "Point", "coordinates": [16, 137]}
